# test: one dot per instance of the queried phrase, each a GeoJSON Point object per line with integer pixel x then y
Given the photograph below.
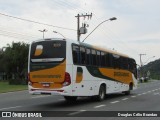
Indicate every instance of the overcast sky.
{"type": "Point", "coordinates": [136, 30]}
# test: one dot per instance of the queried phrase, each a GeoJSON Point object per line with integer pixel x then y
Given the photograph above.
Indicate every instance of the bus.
{"type": "Point", "coordinates": [75, 69]}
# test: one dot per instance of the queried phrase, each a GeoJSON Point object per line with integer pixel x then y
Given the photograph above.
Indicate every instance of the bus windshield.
{"type": "Point", "coordinates": [48, 51]}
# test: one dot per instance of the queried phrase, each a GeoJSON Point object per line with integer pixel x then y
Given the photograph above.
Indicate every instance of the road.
{"type": "Point", "coordinates": [145, 98]}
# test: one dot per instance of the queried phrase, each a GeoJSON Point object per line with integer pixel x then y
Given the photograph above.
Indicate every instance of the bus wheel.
{"type": "Point", "coordinates": [129, 91]}
{"type": "Point", "coordinates": [70, 98]}
{"type": "Point", "coordinates": [102, 93]}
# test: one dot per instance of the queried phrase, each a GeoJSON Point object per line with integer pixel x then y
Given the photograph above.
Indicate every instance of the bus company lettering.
{"type": "Point", "coordinates": [46, 76]}
{"type": "Point", "coordinates": [121, 74]}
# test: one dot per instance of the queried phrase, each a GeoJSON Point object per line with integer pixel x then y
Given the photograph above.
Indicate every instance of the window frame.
{"type": "Point", "coordinates": [78, 59]}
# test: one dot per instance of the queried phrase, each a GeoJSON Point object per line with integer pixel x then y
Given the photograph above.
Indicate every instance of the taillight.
{"type": "Point", "coordinates": [29, 81]}
{"type": "Point", "coordinates": [67, 79]}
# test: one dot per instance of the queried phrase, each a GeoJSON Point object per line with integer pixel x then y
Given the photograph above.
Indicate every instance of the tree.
{"type": "Point", "coordinates": [15, 60]}
{"type": "Point", "coordinates": [154, 68]}
{"type": "Point", "coordinates": [1, 65]}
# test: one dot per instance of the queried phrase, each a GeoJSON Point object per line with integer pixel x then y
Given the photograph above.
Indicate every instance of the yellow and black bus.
{"type": "Point", "coordinates": [72, 69]}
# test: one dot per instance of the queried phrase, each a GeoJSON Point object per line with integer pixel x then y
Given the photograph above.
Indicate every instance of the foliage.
{"type": "Point", "coordinates": [154, 68]}
{"type": "Point", "coordinates": [14, 61]}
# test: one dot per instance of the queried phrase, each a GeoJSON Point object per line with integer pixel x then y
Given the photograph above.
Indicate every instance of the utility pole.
{"type": "Point", "coordinates": [78, 24]}
{"type": "Point", "coordinates": [141, 65]}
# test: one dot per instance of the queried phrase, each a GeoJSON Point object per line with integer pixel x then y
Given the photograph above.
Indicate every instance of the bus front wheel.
{"type": "Point", "coordinates": [102, 93]}
{"type": "Point", "coordinates": [129, 91]}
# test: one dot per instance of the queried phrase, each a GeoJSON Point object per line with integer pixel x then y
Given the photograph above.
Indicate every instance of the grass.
{"type": "Point", "coordinates": [5, 87]}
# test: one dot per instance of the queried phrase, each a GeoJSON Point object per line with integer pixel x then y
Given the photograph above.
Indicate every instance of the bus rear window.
{"type": "Point", "coordinates": [48, 51]}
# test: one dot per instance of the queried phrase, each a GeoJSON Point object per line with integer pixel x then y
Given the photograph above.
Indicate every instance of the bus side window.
{"type": "Point", "coordinates": [103, 61]}
{"type": "Point", "coordinates": [132, 67]}
{"type": "Point", "coordinates": [76, 54]}
{"type": "Point", "coordinates": [98, 58]}
{"type": "Point", "coordinates": [135, 68]}
{"type": "Point", "coordinates": [117, 61]}
{"type": "Point", "coordinates": [109, 60]}
{"type": "Point", "coordinates": [94, 61]}
{"type": "Point", "coordinates": [124, 63]}
{"type": "Point", "coordinates": [88, 56]}
{"type": "Point", "coordinates": [83, 55]}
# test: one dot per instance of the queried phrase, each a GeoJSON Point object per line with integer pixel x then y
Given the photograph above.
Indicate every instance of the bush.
{"type": "Point", "coordinates": [18, 82]}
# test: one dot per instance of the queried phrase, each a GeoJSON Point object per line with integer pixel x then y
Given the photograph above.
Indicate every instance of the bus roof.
{"type": "Point", "coordinates": [86, 45]}
{"type": "Point", "coordinates": [103, 49]}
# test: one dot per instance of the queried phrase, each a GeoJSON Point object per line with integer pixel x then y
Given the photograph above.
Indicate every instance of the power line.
{"type": "Point", "coordinates": [117, 41]}
{"type": "Point", "coordinates": [17, 35]}
{"type": "Point", "coordinates": [103, 30]}
{"type": "Point", "coordinates": [13, 36]}
{"type": "Point", "coordinates": [27, 20]}
{"type": "Point", "coordinates": [112, 37]}
{"type": "Point", "coordinates": [70, 5]}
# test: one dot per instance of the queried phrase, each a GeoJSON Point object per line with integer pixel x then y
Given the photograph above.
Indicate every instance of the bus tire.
{"type": "Point", "coordinates": [102, 93]}
{"type": "Point", "coordinates": [129, 91]}
{"type": "Point", "coordinates": [70, 98]}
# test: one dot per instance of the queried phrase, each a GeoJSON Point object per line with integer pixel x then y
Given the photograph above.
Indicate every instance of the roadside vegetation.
{"type": "Point", "coordinates": [154, 69]}
{"type": "Point", "coordinates": [6, 87]}
{"type": "Point", "coordinates": [13, 63]}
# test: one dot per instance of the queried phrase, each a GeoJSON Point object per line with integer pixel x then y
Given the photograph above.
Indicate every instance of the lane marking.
{"type": "Point", "coordinates": [125, 99]}
{"type": "Point", "coordinates": [99, 106]}
{"type": "Point", "coordinates": [10, 108]}
{"type": "Point", "coordinates": [139, 94]}
{"type": "Point", "coordinates": [114, 102]}
{"type": "Point", "coordinates": [133, 96]}
{"type": "Point", "coordinates": [144, 93]}
{"type": "Point", "coordinates": [149, 91]}
{"type": "Point", "coordinates": [156, 93]}
{"type": "Point", "coordinates": [74, 113]}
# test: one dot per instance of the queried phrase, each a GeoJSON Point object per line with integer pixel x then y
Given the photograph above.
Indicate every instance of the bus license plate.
{"type": "Point", "coordinates": [46, 84]}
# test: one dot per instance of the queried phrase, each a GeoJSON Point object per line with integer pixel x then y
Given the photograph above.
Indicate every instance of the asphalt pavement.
{"type": "Point", "coordinates": [145, 98]}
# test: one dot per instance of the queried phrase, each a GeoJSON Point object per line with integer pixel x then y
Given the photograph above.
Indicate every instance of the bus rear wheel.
{"type": "Point", "coordinates": [70, 98]}
{"type": "Point", "coordinates": [102, 93]}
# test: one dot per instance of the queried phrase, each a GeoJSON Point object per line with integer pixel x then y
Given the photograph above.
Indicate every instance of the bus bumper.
{"type": "Point", "coordinates": [41, 91]}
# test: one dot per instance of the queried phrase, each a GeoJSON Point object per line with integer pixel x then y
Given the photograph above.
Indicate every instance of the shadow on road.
{"type": "Point", "coordinates": [81, 102]}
